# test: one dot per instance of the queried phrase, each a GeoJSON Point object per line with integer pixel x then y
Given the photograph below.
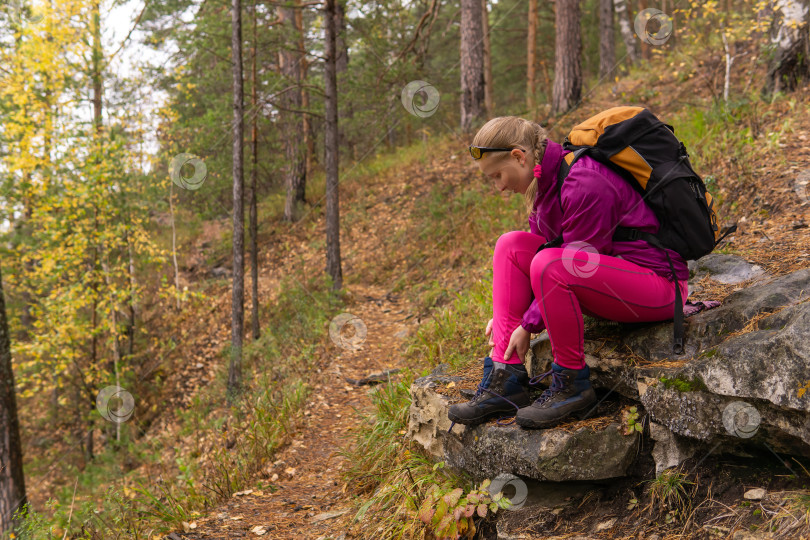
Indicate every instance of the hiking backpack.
{"type": "Point", "coordinates": [645, 152]}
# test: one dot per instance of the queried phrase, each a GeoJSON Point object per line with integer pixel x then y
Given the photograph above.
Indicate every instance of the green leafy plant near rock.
{"type": "Point", "coordinates": [454, 515]}
{"type": "Point", "coordinates": [631, 422]}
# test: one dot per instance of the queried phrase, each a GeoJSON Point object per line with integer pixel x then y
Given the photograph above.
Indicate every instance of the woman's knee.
{"type": "Point", "coordinates": [552, 264]}
{"type": "Point", "coordinates": [509, 242]}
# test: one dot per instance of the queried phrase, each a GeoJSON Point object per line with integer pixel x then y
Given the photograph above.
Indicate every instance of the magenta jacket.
{"type": "Point", "coordinates": [594, 200]}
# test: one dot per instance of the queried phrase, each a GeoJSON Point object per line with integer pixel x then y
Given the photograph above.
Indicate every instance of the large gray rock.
{"type": "Point", "coordinates": [748, 387]}
{"type": "Point", "coordinates": [723, 268]}
{"type": "Point", "coordinates": [488, 450]}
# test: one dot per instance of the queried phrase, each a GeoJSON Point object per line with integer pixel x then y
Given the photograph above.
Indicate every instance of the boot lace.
{"type": "Point", "coordinates": [558, 381]}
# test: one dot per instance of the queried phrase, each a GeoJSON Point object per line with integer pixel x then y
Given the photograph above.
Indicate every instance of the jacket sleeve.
{"type": "Point", "coordinates": [590, 211]}
{"type": "Point", "coordinates": [532, 319]}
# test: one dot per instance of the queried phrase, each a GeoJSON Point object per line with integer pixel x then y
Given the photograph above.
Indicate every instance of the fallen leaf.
{"type": "Point", "coordinates": [259, 530]}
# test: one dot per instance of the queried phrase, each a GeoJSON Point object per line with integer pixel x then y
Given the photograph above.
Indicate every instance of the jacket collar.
{"type": "Point", "coordinates": [550, 164]}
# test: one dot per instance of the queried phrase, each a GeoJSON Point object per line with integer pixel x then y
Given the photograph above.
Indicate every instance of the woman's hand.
{"type": "Point", "coordinates": [519, 342]}
{"type": "Point", "coordinates": [488, 332]}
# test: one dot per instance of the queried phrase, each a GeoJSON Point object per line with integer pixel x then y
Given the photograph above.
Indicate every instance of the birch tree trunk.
{"type": "Point", "coordinates": [626, 30]}
{"type": "Point", "coordinates": [790, 63]}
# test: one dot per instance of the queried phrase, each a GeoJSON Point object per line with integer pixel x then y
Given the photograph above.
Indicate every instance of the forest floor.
{"type": "Point", "coordinates": [307, 497]}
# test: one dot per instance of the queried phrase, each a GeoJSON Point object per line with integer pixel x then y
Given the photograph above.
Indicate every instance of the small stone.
{"type": "Point", "coordinates": [754, 494]}
{"type": "Point", "coordinates": [605, 525]}
{"type": "Point", "coordinates": [274, 477]}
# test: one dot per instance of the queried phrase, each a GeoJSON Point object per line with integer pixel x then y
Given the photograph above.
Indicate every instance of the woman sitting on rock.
{"type": "Point", "coordinates": [551, 289]}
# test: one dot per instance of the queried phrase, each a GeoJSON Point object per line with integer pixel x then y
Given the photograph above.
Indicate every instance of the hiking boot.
{"type": "Point", "coordinates": [501, 392]}
{"type": "Point", "coordinates": [570, 392]}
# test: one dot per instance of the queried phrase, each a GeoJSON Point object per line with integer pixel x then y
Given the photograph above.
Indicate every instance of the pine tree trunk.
{"type": "Point", "coordinates": [645, 46]}
{"type": "Point", "coordinates": [488, 92]}
{"type": "Point", "coordinates": [333, 266]}
{"type": "Point", "coordinates": [626, 30]}
{"type": "Point", "coordinates": [345, 112]}
{"type": "Point", "coordinates": [295, 157]}
{"type": "Point", "coordinates": [568, 58]}
{"type": "Point", "coordinates": [607, 42]}
{"type": "Point", "coordinates": [12, 480]}
{"type": "Point", "coordinates": [472, 64]}
{"type": "Point", "coordinates": [531, 57]}
{"type": "Point", "coordinates": [238, 293]}
{"type": "Point", "coordinates": [789, 64]}
{"type": "Point", "coordinates": [254, 173]}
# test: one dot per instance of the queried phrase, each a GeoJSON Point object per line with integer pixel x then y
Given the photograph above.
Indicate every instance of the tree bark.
{"type": "Point", "coordinates": [238, 291]}
{"type": "Point", "coordinates": [531, 57]}
{"type": "Point", "coordinates": [254, 173]}
{"type": "Point", "coordinates": [626, 30]}
{"type": "Point", "coordinates": [646, 50]}
{"type": "Point", "coordinates": [289, 59]}
{"type": "Point", "coordinates": [488, 93]}
{"type": "Point", "coordinates": [472, 64]}
{"type": "Point", "coordinates": [12, 480]}
{"type": "Point", "coordinates": [789, 64]}
{"type": "Point", "coordinates": [345, 111]}
{"type": "Point", "coordinates": [607, 43]}
{"type": "Point", "coordinates": [568, 58]}
{"type": "Point", "coordinates": [333, 266]}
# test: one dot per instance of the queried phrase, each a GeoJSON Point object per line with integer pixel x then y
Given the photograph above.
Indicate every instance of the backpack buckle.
{"type": "Point", "coordinates": [631, 234]}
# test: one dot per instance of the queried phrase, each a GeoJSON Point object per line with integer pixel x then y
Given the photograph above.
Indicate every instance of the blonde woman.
{"type": "Point", "coordinates": [550, 288]}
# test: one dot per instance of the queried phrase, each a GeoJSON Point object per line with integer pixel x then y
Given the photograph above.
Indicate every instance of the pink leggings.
{"type": "Point", "coordinates": [568, 282]}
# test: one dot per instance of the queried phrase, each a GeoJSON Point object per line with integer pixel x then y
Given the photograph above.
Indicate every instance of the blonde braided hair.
{"type": "Point", "coordinates": [509, 131]}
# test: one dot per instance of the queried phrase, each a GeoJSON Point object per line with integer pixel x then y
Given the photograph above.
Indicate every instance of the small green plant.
{"type": "Point", "coordinates": [631, 423]}
{"type": "Point", "coordinates": [453, 515]}
{"type": "Point", "coordinates": [668, 493]}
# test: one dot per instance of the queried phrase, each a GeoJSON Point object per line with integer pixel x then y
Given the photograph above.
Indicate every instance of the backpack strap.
{"type": "Point", "coordinates": [551, 243]}
{"type": "Point", "coordinates": [624, 234]}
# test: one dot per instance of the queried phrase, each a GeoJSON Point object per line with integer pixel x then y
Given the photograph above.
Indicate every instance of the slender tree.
{"type": "Point", "coordinates": [531, 56]}
{"type": "Point", "coordinates": [12, 481]}
{"type": "Point", "coordinates": [333, 265]}
{"type": "Point", "coordinates": [254, 173]}
{"type": "Point", "coordinates": [472, 63]}
{"type": "Point", "coordinates": [568, 57]}
{"type": "Point", "coordinates": [238, 290]}
{"type": "Point", "coordinates": [345, 112]}
{"type": "Point", "coordinates": [490, 107]}
{"type": "Point", "coordinates": [290, 57]}
{"type": "Point", "coordinates": [607, 43]}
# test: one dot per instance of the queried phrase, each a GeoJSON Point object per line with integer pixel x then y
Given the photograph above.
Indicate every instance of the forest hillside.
{"type": "Point", "coordinates": [241, 239]}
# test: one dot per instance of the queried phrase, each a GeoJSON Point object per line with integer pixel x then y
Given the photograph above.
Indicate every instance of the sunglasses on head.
{"type": "Point", "coordinates": [478, 151]}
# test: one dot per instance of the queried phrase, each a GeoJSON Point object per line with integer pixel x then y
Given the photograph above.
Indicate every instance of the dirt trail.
{"type": "Point", "coordinates": [309, 486]}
